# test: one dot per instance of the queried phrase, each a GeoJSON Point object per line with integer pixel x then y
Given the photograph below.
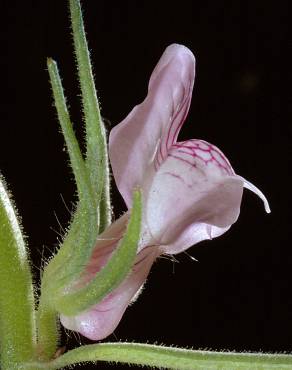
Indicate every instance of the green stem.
{"type": "Point", "coordinates": [48, 330]}
{"type": "Point", "coordinates": [96, 155]}
{"type": "Point", "coordinates": [17, 312]}
{"type": "Point", "coordinates": [170, 358]}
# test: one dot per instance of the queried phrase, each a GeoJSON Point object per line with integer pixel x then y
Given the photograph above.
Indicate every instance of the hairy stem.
{"type": "Point", "coordinates": [170, 358]}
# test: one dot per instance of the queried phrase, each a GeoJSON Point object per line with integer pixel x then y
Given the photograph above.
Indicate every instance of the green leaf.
{"type": "Point", "coordinates": [17, 315]}
{"type": "Point", "coordinates": [113, 273]}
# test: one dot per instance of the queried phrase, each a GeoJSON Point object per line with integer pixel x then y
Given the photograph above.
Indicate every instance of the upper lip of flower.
{"type": "Point", "coordinates": [153, 125]}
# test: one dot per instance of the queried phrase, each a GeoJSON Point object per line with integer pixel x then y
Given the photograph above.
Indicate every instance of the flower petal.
{"type": "Point", "coordinates": [195, 195]}
{"type": "Point", "coordinates": [192, 235]}
{"type": "Point", "coordinates": [153, 125]}
{"type": "Point", "coordinates": [102, 319]}
{"type": "Point", "coordinates": [105, 246]}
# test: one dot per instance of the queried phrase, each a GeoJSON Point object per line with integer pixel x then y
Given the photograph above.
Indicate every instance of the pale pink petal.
{"type": "Point", "coordinates": [169, 53]}
{"type": "Point", "coordinates": [192, 235]}
{"type": "Point", "coordinates": [152, 126]}
{"type": "Point", "coordinates": [194, 195]}
{"type": "Point", "coordinates": [101, 320]}
{"type": "Point", "coordinates": [106, 244]}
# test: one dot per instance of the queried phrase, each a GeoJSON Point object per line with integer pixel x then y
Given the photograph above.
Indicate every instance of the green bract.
{"type": "Point", "coordinates": [17, 315]}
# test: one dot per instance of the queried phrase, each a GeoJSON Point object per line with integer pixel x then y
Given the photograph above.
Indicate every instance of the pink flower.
{"type": "Point", "coordinates": [190, 191]}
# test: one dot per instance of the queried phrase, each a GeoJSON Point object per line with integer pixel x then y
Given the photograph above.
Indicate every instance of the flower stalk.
{"type": "Point", "coordinates": [48, 329]}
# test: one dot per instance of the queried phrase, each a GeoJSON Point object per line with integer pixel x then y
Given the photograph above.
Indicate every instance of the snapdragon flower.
{"type": "Point", "coordinates": [190, 191]}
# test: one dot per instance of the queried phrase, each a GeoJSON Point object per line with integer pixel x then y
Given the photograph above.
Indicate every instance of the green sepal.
{"type": "Point", "coordinates": [96, 143]}
{"type": "Point", "coordinates": [80, 239]}
{"type": "Point", "coordinates": [77, 163]}
{"type": "Point", "coordinates": [81, 236]}
{"type": "Point", "coordinates": [111, 275]}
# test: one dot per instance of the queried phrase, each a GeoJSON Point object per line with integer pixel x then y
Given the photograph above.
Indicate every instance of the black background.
{"type": "Point", "coordinates": [238, 296]}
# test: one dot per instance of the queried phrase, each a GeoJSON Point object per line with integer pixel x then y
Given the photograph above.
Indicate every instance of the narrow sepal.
{"type": "Point", "coordinates": [76, 159]}
{"type": "Point", "coordinates": [96, 144]}
{"type": "Point", "coordinates": [82, 234]}
{"type": "Point", "coordinates": [73, 301]}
